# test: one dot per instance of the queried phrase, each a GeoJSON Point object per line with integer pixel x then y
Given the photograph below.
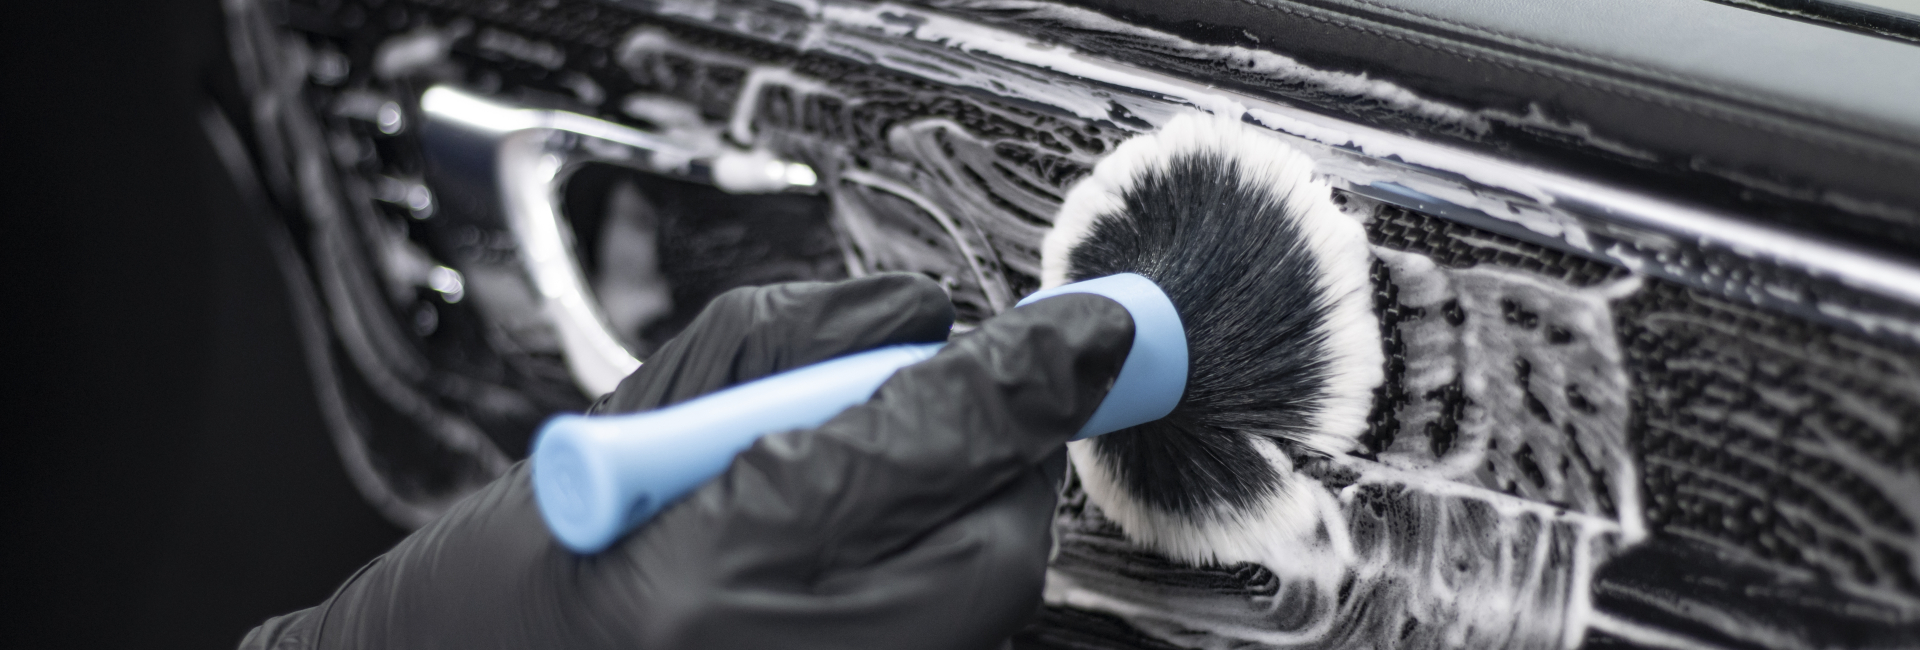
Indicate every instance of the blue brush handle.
{"type": "Point", "coordinates": [595, 478]}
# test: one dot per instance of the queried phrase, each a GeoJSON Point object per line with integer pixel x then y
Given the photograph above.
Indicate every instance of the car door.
{"type": "Point", "coordinates": [1645, 270]}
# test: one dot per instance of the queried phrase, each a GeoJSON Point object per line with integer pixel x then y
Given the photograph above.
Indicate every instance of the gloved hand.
{"type": "Point", "coordinates": [918, 520]}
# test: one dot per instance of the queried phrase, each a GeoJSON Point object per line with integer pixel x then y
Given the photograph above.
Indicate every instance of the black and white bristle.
{"type": "Point", "coordinates": [1271, 282]}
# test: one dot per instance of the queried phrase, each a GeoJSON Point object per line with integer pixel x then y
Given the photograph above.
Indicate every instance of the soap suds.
{"type": "Point", "coordinates": [1535, 491]}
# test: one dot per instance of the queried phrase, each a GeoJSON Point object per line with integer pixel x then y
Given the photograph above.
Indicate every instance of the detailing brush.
{"type": "Point", "coordinates": [1221, 247]}
{"type": "Point", "coordinates": [1271, 283]}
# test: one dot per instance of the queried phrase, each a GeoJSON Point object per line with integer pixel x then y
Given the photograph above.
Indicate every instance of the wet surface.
{"type": "Point", "coordinates": [1563, 399]}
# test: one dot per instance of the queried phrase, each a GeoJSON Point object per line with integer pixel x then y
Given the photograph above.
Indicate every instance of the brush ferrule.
{"type": "Point", "coordinates": [1154, 376]}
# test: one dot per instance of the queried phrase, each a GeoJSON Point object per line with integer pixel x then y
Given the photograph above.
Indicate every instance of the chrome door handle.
{"type": "Point", "coordinates": [525, 155]}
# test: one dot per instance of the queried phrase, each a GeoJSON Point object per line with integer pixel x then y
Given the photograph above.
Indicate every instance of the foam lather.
{"type": "Point", "coordinates": [597, 477]}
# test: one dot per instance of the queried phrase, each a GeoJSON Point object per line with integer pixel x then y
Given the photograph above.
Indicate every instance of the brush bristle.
{"type": "Point", "coordinates": [1271, 282]}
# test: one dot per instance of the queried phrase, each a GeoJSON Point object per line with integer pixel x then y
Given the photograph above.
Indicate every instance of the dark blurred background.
{"type": "Point", "coordinates": [171, 483]}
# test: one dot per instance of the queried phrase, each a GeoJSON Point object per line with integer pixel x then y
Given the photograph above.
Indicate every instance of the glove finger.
{"type": "Point", "coordinates": [752, 332]}
{"type": "Point", "coordinates": [936, 438]}
{"type": "Point", "coordinates": [968, 582]}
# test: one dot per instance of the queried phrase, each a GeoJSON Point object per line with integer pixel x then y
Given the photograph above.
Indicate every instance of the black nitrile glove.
{"type": "Point", "coordinates": [919, 520]}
